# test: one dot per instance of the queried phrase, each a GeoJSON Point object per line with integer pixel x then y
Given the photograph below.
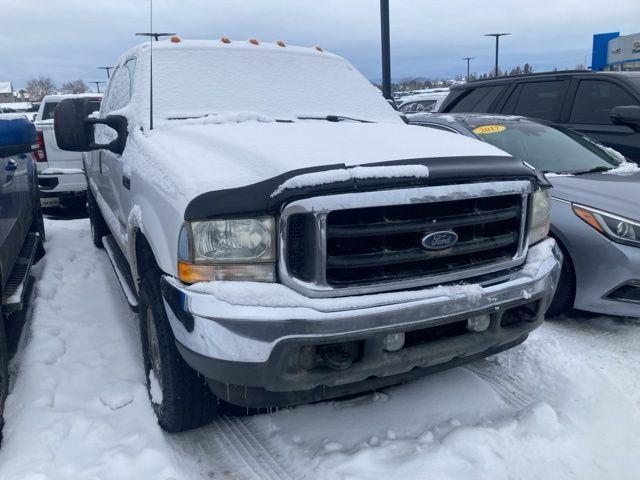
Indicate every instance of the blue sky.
{"type": "Point", "coordinates": [67, 39]}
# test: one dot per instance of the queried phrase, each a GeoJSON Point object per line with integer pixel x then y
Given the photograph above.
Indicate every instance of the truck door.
{"type": "Point", "coordinates": [113, 181]}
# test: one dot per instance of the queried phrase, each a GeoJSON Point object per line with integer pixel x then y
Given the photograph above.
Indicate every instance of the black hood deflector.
{"type": "Point", "coordinates": [256, 199]}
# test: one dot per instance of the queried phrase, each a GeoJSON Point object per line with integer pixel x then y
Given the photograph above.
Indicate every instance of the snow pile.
{"type": "Point", "coordinates": [79, 408]}
{"type": "Point", "coordinates": [214, 118]}
{"type": "Point", "coordinates": [344, 175]}
{"type": "Point", "coordinates": [530, 413]}
{"type": "Point", "coordinates": [625, 168]}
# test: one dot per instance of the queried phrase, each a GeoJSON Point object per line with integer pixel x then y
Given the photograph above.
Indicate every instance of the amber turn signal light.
{"type": "Point", "coordinates": [189, 273]}
{"type": "Point", "coordinates": [588, 217]}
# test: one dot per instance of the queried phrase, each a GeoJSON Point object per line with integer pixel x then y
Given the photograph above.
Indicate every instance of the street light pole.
{"type": "Point", "coordinates": [97, 85]}
{"type": "Point", "coordinates": [108, 69]}
{"type": "Point", "coordinates": [497, 35]}
{"type": "Point", "coordinates": [468, 59]}
{"type": "Point", "coordinates": [386, 48]}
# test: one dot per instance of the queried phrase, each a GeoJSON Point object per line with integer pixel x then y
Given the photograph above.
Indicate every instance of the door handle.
{"type": "Point", "coordinates": [11, 166]}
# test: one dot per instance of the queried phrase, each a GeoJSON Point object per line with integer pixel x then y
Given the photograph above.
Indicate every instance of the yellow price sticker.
{"type": "Point", "coordinates": [485, 129]}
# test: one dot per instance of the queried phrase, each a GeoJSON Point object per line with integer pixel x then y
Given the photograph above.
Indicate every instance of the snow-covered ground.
{"type": "Point", "coordinates": [566, 404]}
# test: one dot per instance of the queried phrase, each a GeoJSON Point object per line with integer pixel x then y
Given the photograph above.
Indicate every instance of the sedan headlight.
{"type": "Point", "coordinates": [616, 228]}
{"type": "Point", "coordinates": [231, 249]}
{"type": "Point", "coordinates": [540, 216]}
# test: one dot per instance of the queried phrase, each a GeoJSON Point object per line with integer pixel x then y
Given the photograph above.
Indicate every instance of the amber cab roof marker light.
{"type": "Point", "coordinates": [280, 43]}
{"type": "Point", "coordinates": [225, 39]}
{"type": "Point", "coordinates": [318, 48]}
{"type": "Point", "coordinates": [253, 41]}
{"type": "Point", "coordinates": [175, 39]}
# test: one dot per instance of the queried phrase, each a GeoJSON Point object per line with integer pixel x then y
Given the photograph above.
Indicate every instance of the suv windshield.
{"type": "Point", "coordinates": [549, 149]}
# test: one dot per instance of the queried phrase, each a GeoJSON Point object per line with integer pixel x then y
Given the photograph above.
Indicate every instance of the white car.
{"type": "Point", "coordinates": [60, 176]}
{"type": "Point", "coordinates": [423, 102]}
{"type": "Point", "coordinates": [286, 237]}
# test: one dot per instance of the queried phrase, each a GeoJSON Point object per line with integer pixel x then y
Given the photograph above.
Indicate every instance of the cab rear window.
{"type": "Point", "coordinates": [49, 108]}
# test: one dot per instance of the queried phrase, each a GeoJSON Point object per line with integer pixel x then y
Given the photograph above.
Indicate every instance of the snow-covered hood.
{"type": "Point", "coordinates": [199, 158]}
{"type": "Point", "coordinates": [619, 194]}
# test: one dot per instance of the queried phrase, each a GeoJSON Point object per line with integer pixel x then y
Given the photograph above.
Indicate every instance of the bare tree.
{"type": "Point", "coordinates": [37, 88]}
{"type": "Point", "coordinates": [75, 86]}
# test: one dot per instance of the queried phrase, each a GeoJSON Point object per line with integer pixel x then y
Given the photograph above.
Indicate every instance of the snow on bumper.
{"type": "Point", "coordinates": [243, 322]}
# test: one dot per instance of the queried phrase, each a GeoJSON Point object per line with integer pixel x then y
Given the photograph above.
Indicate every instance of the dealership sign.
{"type": "Point", "coordinates": [624, 48]}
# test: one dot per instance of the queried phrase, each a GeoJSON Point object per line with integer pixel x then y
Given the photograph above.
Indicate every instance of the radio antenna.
{"type": "Point", "coordinates": [152, 35]}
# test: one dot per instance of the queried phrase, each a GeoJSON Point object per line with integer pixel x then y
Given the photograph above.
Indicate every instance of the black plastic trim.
{"type": "Point", "coordinates": [255, 199]}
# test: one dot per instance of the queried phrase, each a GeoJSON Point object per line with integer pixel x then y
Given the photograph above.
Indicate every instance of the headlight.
{"type": "Point", "coordinates": [540, 216]}
{"type": "Point", "coordinates": [233, 249]}
{"type": "Point", "coordinates": [618, 229]}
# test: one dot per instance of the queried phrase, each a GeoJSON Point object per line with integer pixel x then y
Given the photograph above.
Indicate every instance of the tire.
{"type": "Point", "coordinates": [4, 371]}
{"type": "Point", "coordinates": [564, 298]}
{"type": "Point", "coordinates": [99, 227]}
{"type": "Point", "coordinates": [186, 401]}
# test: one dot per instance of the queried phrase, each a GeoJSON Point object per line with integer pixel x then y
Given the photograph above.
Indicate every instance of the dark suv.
{"type": "Point", "coordinates": [602, 105]}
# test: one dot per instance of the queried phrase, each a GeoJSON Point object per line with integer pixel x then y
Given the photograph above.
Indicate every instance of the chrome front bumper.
{"type": "Point", "coordinates": [245, 321]}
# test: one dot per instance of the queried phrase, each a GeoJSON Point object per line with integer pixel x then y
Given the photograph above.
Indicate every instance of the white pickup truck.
{"type": "Point", "coordinates": [60, 176]}
{"type": "Point", "coordinates": [286, 237]}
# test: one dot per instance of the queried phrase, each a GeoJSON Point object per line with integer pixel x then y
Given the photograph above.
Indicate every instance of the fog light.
{"type": "Point", "coordinates": [394, 342]}
{"type": "Point", "coordinates": [479, 324]}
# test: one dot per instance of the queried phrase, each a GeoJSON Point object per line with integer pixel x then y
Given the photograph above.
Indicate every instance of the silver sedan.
{"type": "Point", "coordinates": [595, 214]}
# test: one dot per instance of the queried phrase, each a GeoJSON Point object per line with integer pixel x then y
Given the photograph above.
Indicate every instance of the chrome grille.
{"type": "Point", "coordinates": [369, 245]}
{"type": "Point", "coordinates": [371, 241]}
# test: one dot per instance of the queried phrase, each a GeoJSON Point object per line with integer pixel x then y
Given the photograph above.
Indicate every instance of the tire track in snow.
{"type": "Point", "coordinates": [229, 447]}
{"type": "Point", "coordinates": [507, 388]}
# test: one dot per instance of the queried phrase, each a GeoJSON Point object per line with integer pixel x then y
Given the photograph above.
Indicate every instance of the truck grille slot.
{"type": "Point", "coordinates": [376, 241]}
{"type": "Point", "coordinates": [367, 245]}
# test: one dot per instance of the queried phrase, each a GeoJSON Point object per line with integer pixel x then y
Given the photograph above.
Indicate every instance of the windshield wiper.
{"type": "Point", "coordinates": [595, 170]}
{"type": "Point", "coordinates": [335, 118]}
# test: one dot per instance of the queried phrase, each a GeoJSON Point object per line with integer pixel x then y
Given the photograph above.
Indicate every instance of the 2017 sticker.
{"type": "Point", "coordinates": [485, 129]}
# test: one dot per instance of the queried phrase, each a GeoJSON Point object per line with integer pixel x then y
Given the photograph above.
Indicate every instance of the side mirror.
{"type": "Point", "coordinates": [75, 130]}
{"type": "Point", "coordinates": [628, 116]}
{"type": "Point", "coordinates": [393, 103]}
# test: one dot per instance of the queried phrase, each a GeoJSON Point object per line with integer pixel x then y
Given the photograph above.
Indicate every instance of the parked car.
{"type": "Point", "coordinates": [423, 102]}
{"type": "Point", "coordinates": [21, 226]}
{"type": "Point", "coordinates": [60, 175]}
{"type": "Point", "coordinates": [278, 245]}
{"type": "Point", "coordinates": [602, 105]}
{"type": "Point", "coordinates": [594, 208]}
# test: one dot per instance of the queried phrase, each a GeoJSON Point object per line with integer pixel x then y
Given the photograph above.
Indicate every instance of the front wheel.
{"type": "Point", "coordinates": [180, 397]}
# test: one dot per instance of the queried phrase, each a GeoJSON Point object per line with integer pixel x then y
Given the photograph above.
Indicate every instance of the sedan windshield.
{"type": "Point", "coordinates": [549, 149]}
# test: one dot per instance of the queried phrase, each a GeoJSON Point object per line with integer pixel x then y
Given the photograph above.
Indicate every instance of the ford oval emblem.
{"type": "Point", "coordinates": [439, 240]}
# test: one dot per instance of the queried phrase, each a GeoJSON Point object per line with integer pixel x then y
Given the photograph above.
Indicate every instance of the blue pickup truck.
{"type": "Point", "coordinates": [21, 225]}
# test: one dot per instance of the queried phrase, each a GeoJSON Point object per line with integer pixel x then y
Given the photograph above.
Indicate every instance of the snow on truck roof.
{"type": "Point", "coordinates": [60, 97]}
{"type": "Point", "coordinates": [219, 44]}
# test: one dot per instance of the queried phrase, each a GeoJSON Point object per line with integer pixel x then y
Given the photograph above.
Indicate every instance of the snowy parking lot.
{"type": "Point", "coordinates": [565, 404]}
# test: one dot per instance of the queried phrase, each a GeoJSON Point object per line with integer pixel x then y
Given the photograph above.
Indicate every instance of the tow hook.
{"type": "Point", "coordinates": [336, 359]}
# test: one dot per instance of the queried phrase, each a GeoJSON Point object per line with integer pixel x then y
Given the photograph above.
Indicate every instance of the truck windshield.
{"type": "Point", "coordinates": [547, 148]}
{"type": "Point", "coordinates": [286, 83]}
